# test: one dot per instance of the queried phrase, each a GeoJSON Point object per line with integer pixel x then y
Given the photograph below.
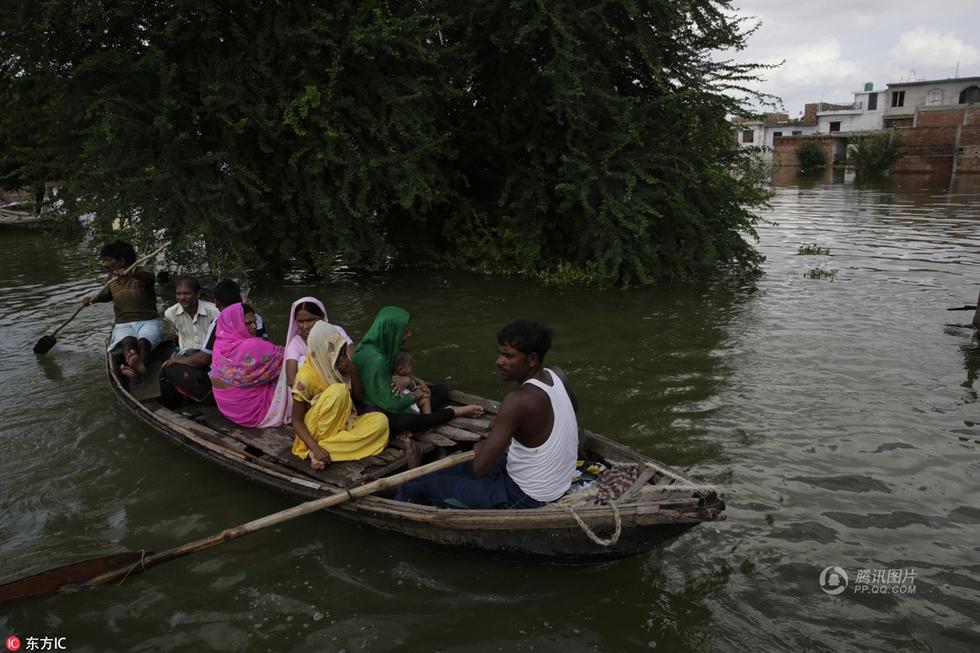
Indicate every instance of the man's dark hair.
{"type": "Point", "coordinates": [526, 337]}
{"type": "Point", "coordinates": [119, 249]}
{"type": "Point", "coordinates": [189, 281]}
{"type": "Point", "coordinates": [226, 292]}
{"type": "Point", "coordinates": [247, 308]}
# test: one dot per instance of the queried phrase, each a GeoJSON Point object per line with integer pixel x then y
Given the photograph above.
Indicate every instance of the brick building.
{"type": "Point", "coordinates": [938, 121]}
{"type": "Point", "coordinates": [906, 98]}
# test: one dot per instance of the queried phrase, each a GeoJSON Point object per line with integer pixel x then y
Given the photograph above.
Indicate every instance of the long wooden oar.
{"type": "Point", "coordinates": [45, 344]}
{"type": "Point", "coordinates": [99, 571]}
{"type": "Point", "coordinates": [966, 307]}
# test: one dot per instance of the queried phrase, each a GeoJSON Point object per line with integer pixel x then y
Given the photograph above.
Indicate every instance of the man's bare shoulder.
{"type": "Point", "coordinates": [525, 398]}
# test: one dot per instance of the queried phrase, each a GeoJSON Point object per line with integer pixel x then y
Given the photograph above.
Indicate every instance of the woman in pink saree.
{"type": "Point", "coordinates": [244, 369]}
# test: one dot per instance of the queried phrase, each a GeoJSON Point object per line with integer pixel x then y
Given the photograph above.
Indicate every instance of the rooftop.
{"type": "Point", "coordinates": [936, 81]}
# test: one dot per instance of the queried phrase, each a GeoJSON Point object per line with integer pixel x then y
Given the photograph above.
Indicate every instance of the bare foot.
{"type": "Point", "coordinates": [129, 372]}
{"type": "Point", "coordinates": [412, 454]}
{"type": "Point", "coordinates": [134, 361]}
{"type": "Point", "coordinates": [467, 411]}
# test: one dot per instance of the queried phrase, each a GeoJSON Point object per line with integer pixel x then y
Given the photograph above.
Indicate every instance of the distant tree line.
{"type": "Point", "coordinates": [579, 139]}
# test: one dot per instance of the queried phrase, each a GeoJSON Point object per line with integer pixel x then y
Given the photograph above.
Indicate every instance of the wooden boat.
{"type": "Point", "coordinates": [15, 218]}
{"type": "Point", "coordinates": [661, 504]}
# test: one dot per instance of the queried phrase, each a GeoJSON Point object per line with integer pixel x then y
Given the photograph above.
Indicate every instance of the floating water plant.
{"type": "Point", "coordinates": [812, 249]}
{"type": "Point", "coordinates": [821, 273]}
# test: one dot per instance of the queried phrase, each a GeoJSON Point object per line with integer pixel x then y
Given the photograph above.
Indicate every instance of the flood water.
{"type": "Point", "coordinates": [839, 414]}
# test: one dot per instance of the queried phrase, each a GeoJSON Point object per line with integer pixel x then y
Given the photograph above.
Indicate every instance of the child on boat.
{"type": "Point", "coordinates": [404, 382]}
{"type": "Point", "coordinates": [137, 326]}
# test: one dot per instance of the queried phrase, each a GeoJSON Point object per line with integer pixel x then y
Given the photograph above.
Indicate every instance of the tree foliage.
{"type": "Point", "coordinates": [876, 155]}
{"type": "Point", "coordinates": [525, 136]}
{"type": "Point", "coordinates": [811, 156]}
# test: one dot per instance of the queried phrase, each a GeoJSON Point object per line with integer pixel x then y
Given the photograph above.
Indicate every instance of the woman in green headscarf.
{"type": "Point", "coordinates": [375, 361]}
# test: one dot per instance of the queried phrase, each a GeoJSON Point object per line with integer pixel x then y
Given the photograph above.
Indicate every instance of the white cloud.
{"type": "Point", "coordinates": [928, 47]}
{"type": "Point", "coordinates": [817, 64]}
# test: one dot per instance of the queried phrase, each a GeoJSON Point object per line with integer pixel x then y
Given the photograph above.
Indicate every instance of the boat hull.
{"type": "Point", "coordinates": [549, 534]}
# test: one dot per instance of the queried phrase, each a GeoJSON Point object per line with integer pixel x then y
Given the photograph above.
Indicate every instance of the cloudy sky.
{"type": "Point", "coordinates": [832, 47]}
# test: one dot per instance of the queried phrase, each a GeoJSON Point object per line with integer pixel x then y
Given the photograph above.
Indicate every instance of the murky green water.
{"type": "Point", "coordinates": [839, 416]}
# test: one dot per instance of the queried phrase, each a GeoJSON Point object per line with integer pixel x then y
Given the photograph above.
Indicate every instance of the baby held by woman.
{"type": "Point", "coordinates": [404, 382]}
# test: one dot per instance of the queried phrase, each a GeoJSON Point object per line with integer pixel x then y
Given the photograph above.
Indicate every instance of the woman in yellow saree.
{"type": "Point", "coordinates": [326, 424]}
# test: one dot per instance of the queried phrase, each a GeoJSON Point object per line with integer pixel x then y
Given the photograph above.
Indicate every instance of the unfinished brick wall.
{"type": "Point", "coordinates": [914, 163]}
{"type": "Point", "coordinates": [968, 160]}
{"type": "Point", "coordinates": [970, 135]}
{"type": "Point", "coordinates": [928, 149]}
{"type": "Point", "coordinates": [928, 140]}
{"type": "Point", "coordinates": [810, 113]}
{"type": "Point", "coordinates": [784, 149]}
{"type": "Point", "coordinates": [939, 117]}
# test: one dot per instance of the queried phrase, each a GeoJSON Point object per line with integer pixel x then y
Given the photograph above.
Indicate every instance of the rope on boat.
{"type": "Point", "coordinates": [139, 563]}
{"type": "Point", "coordinates": [588, 531]}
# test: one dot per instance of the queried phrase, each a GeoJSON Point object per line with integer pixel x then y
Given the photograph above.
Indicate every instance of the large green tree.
{"type": "Point", "coordinates": [584, 136]}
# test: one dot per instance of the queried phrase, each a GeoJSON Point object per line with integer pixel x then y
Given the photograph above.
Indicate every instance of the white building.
{"type": "Point", "coordinates": [905, 97]}
{"type": "Point", "coordinates": [758, 134]}
{"type": "Point", "coordinates": [864, 114]}
{"type": "Point", "coordinates": [787, 129]}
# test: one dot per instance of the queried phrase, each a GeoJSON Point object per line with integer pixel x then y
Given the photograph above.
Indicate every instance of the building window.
{"type": "Point", "coordinates": [898, 98]}
{"type": "Point", "coordinates": [748, 136]}
{"type": "Point", "coordinates": [777, 134]}
{"type": "Point", "coordinates": [835, 126]}
{"type": "Point", "coordinates": [935, 97]}
{"type": "Point", "coordinates": [798, 132]}
{"type": "Point", "coordinates": [970, 95]}
{"type": "Point", "coordinates": [872, 101]}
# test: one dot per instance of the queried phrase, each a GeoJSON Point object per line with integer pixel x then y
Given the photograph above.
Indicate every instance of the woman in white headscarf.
{"type": "Point", "coordinates": [304, 313]}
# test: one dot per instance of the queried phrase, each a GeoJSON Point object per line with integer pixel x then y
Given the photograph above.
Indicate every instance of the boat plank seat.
{"type": "Point", "coordinates": [462, 398]}
{"type": "Point", "coordinates": [457, 434]}
{"type": "Point", "coordinates": [438, 440]}
{"type": "Point", "coordinates": [196, 428]}
{"type": "Point", "coordinates": [377, 471]}
{"type": "Point", "coordinates": [474, 425]}
{"type": "Point", "coordinates": [277, 444]}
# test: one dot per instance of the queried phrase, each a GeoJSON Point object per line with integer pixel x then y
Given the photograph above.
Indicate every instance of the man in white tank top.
{"type": "Point", "coordinates": [529, 456]}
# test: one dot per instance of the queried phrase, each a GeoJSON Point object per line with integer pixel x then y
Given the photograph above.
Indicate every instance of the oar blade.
{"type": "Point", "coordinates": [44, 345]}
{"type": "Point", "coordinates": [52, 580]}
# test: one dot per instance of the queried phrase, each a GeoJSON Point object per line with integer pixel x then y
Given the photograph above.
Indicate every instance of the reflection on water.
{"type": "Point", "coordinates": [834, 412]}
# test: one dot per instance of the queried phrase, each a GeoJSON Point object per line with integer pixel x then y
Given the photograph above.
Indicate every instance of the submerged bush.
{"type": "Point", "coordinates": [811, 156]}
{"type": "Point", "coordinates": [876, 155]}
{"type": "Point", "coordinates": [820, 273]}
{"type": "Point", "coordinates": [812, 249]}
